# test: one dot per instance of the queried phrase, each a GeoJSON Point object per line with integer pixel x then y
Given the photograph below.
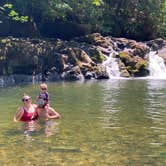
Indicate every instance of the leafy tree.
{"type": "Point", "coordinates": [7, 12]}
{"type": "Point", "coordinates": [137, 19]}
{"type": "Point", "coordinates": [8, 7]}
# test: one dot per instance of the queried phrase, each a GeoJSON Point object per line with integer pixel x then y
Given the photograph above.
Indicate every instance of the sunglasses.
{"type": "Point", "coordinates": [43, 89]}
{"type": "Point", "coordinates": [25, 99]}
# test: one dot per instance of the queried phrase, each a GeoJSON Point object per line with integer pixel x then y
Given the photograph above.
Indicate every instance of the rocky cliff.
{"type": "Point", "coordinates": [55, 59]}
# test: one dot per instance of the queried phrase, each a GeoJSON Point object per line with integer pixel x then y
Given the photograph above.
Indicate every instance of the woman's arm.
{"type": "Point", "coordinates": [52, 114]}
{"type": "Point", "coordinates": [18, 115]}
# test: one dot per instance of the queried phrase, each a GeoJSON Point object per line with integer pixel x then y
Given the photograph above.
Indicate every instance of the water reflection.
{"type": "Point", "coordinates": [156, 85]}
{"type": "Point", "coordinates": [29, 128]}
{"type": "Point", "coordinates": [133, 99]}
{"type": "Point", "coordinates": [156, 111]}
{"type": "Point", "coordinates": [47, 128]}
{"type": "Point", "coordinates": [51, 128]}
{"type": "Point", "coordinates": [124, 101]}
{"type": "Point", "coordinates": [134, 113]}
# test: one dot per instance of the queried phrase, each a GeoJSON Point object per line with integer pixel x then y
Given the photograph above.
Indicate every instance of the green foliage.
{"type": "Point", "coordinates": [24, 19]}
{"type": "Point", "coordinates": [8, 5]}
{"type": "Point", "coordinates": [138, 19]}
{"type": "Point", "coordinates": [43, 10]}
{"type": "Point", "coordinates": [97, 2]}
{"type": "Point", "coordinates": [13, 14]}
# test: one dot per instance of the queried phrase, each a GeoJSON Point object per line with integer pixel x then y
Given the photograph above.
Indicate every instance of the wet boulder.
{"type": "Point", "coordinates": [162, 53]}
{"type": "Point", "coordinates": [156, 44]}
{"type": "Point", "coordinates": [72, 74]}
{"type": "Point", "coordinates": [123, 70]}
{"type": "Point", "coordinates": [89, 75]}
{"type": "Point", "coordinates": [95, 39]}
{"type": "Point", "coordinates": [135, 65]}
{"type": "Point", "coordinates": [101, 72]}
{"type": "Point", "coordinates": [96, 55]}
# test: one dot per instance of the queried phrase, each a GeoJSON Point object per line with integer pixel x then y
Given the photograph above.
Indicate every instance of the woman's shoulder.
{"type": "Point", "coordinates": [20, 108]}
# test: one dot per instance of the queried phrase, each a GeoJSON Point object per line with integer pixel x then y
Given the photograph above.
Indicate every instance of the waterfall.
{"type": "Point", "coordinates": [111, 65]}
{"type": "Point", "coordinates": [157, 66]}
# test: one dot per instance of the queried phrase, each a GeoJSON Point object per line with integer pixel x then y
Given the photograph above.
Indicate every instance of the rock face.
{"type": "Point", "coordinates": [54, 59]}
{"type": "Point", "coordinates": [134, 65]}
{"type": "Point", "coordinates": [162, 53]}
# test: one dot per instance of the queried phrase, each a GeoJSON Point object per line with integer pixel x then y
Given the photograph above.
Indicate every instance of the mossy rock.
{"type": "Point", "coordinates": [95, 39]}
{"type": "Point", "coordinates": [96, 55]}
{"type": "Point", "coordinates": [140, 50]}
{"type": "Point", "coordinates": [125, 57]}
{"type": "Point", "coordinates": [141, 73]}
{"type": "Point", "coordinates": [140, 69]}
{"type": "Point", "coordinates": [101, 72]}
{"type": "Point", "coordinates": [141, 64]}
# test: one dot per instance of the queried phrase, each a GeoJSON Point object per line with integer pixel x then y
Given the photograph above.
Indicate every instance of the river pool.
{"type": "Point", "coordinates": [103, 123]}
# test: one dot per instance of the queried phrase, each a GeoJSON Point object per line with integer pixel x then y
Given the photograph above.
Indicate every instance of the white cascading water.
{"type": "Point", "coordinates": [157, 66]}
{"type": "Point", "coordinates": [111, 65]}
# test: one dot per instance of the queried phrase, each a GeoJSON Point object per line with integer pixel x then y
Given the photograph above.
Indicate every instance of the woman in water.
{"type": "Point", "coordinates": [27, 112]}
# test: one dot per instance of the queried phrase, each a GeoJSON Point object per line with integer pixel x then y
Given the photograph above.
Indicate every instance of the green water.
{"type": "Point", "coordinates": [104, 123]}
